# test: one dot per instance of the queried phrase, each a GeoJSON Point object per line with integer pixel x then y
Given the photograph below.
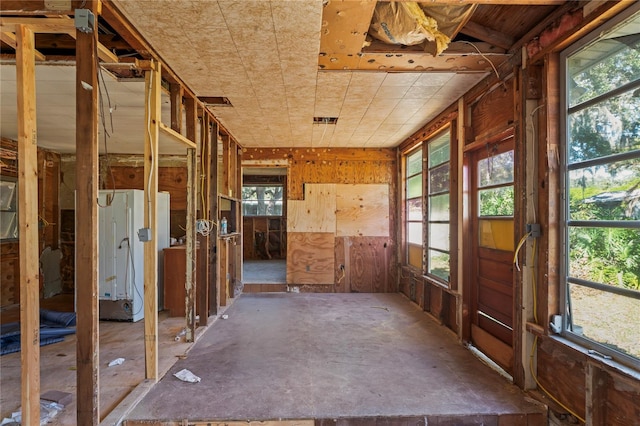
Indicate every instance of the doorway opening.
{"type": "Point", "coordinates": [265, 229]}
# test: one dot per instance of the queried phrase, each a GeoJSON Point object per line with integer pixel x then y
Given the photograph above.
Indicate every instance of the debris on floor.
{"type": "Point", "coordinates": [48, 410]}
{"type": "Point", "coordinates": [187, 376]}
{"type": "Point", "coordinates": [117, 361]}
{"type": "Point", "coordinates": [180, 334]}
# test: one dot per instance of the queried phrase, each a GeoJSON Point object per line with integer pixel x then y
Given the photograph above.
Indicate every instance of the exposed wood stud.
{"type": "Point", "coordinates": [206, 157]}
{"type": "Point", "coordinates": [153, 91]}
{"type": "Point", "coordinates": [88, 384]}
{"type": "Point", "coordinates": [190, 279]}
{"type": "Point", "coordinates": [28, 225]}
{"type": "Point", "coordinates": [192, 207]}
{"type": "Point", "coordinates": [212, 271]}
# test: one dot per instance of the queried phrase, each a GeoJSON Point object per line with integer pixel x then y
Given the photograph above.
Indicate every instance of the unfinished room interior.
{"type": "Point", "coordinates": [320, 212]}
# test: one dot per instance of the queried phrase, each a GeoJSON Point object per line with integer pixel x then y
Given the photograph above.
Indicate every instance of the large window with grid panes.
{"type": "Point", "coordinates": [427, 205]}
{"type": "Point", "coordinates": [601, 185]}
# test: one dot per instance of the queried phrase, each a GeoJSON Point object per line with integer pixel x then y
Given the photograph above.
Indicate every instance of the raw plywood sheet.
{"type": "Point", "coordinates": [316, 213]}
{"type": "Point", "coordinates": [310, 258]}
{"type": "Point", "coordinates": [362, 210]}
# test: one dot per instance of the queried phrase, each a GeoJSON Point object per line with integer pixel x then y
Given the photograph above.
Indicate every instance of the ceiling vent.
{"type": "Point", "coordinates": [325, 120]}
{"type": "Point", "coordinates": [216, 101]}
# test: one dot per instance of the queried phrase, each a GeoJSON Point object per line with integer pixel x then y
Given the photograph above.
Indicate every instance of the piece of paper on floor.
{"type": "Point", "coordinates": [187, 376]}
{"type": "Point", "coordinates": [116, 361]}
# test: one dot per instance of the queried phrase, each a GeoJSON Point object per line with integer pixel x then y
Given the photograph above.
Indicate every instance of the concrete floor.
{"type": "Point", "coordinates": [58, 361]}
{"type": "Point", "coordinates": [371, 358]}
{"type": "Point", "coordinates": [264, 271]}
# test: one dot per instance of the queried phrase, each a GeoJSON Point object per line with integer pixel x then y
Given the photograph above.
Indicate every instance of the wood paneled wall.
{"type": "Point", "coordinates": [341, 207]}
{"type": "Point", "coordinates": [48, 212]}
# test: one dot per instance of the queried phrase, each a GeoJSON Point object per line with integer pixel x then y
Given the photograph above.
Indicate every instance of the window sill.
{"type": "Point", "coordinates": [612, 364]}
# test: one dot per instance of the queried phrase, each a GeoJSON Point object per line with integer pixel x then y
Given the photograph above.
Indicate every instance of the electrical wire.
{"type": "Point", "coordinates": [153, 159]}
{"type": "Point", "coordinates": [518, 247]}
{"type": "Point", "coordinates": [495, 70]}
{"type": "Point", "coordinates": [534, 291]}
{"type": "Point", "coordinates": [105, 134]}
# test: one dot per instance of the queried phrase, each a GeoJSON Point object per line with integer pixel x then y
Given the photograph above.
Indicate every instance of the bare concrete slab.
{"type": "Point", "coordinates": [272, 271]}
{"type": "Point", "coordinates": [334, 356]}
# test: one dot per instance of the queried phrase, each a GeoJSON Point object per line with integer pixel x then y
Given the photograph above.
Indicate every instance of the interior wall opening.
{"type": "Point", "coordinates": [264, 195]}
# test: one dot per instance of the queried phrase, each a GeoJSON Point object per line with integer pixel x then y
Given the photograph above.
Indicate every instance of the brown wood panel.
{"type": "Point", "coordinates": [9, 274]}
{"type": "Point", "coordinates": [369, 264]}
{"type": "Point", "coordinates": [420, 286]}
{"type": "Point", "coordinates": [493, 111]}
{"type": "Point", "coordinates": [310, 258]}
{"type": "Point", "coordinates": [612, 399]}
{"type": "Point", "coordinates": [170, 179]}
{"type": "Point", "coordinates": [264, 288]}
{"type": "Point", "coordinates": [561, 370]}
{"type": "Point", "coordinates": [435, 301]}
{"type": "Point", "coordinates": [342, 279]}
{"type": "Point", "coordinates": [48, 196]}
{"type": "Point", "coordinates": [500, 352]}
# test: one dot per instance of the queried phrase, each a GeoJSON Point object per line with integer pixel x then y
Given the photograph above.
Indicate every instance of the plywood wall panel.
{"type": "Point", "coordinates": [341, 256]}
{"type": "Point", "coordinates": [369, 266]}
{"type": "Point", "coordinates": [493, 112]}
{"type": "Point", "coordinates": [362, 210]}
{"type": "Point", "coordinates": [316, 213]}
{"type": "Point", "coordinates": [310, 258]}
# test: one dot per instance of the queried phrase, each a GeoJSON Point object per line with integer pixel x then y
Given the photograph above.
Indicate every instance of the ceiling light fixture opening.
{"type": "Point", "coordinates": [325, 120]}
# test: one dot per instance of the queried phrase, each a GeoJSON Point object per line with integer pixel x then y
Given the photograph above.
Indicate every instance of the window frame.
{"type": "Point", "coordinates": [426, 195]}
{"type": "Point", "coordinates": [566, 223]}
{"type": "Point", "coordinates": [264, 185]}
{"type": "Point", "coordinates": [407, 221]}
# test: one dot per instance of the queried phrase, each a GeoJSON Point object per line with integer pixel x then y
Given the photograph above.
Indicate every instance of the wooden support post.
{"type": "Point", "coordinates": [192, 211]}
{"type": "Point", "coordinates": [152, 119]}
{"type": "Point", "coordinates": [28, 225]}
{"type": "Point", "coordinates": [212, 270]}
{"type": "Point", "coordinates": [238, 219]}
{"type": "Point", "coordinates": [226, 166]}
{"type": "Point", "coordinates": [205, 240]}
{"type": "Point", "coordinates": [87, 353]}
{"type": "Point", "coordinates": [175, 94]}
{"type": "Point", "coordinates": [190, 279]}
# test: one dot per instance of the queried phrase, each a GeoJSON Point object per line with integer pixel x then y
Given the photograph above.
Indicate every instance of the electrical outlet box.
{"type": "Point", "coordinates": [533, 229]}
{"type": "Point", "coordinates": [84, 20]}
{"type": "Point", "coordinates": [144, 235]}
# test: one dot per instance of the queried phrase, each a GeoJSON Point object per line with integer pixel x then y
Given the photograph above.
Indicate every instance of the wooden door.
{"type": "Point", "coordinates": [492, 247]}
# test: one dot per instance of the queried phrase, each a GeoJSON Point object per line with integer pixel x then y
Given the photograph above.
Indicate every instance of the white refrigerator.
{"type": "Point", "coordinates": [121, 267]}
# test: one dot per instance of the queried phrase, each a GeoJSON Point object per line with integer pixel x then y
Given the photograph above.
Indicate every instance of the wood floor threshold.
{"type": "Point", "coordinates": [530, 419]}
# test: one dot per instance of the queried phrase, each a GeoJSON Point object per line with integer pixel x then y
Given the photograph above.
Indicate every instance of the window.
{"type": "Point", "coordinates": [438, 200]}
{"type": "Point", "coordinates": [8, 208]}
{"type": "Point", "coordinates": [601, 217]}
{"type": "Point", "coordinates": [413, 208]}
{"type": "Point", "coordinates": [435, 215]}
{"type": "Point", "coordinates": [262, 200]}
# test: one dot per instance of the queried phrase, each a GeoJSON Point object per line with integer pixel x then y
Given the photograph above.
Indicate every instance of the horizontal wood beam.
{"type": "Point", "coordinates": [411, 62]}
{"type": "Point", "coordinates": [176, 136]}
{"type": "Point", "coordinates": [103, 52]}
{"type": "Point", "coordinates": [455, 48]}
{"type": "Point", "coordinates": [62, 25]}
{"type": "Point", "coordinates": [39, 7]}
{"type": "Point", "coordinates": [491, 2]}
{"type": "Point", "coordinates": [10, 40]}
{"type": "Point", "coordinates": [489, 35]}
